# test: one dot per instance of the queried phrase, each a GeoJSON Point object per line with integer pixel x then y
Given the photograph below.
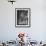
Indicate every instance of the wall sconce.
{"type": "Point", "coordinates": [12, 1]}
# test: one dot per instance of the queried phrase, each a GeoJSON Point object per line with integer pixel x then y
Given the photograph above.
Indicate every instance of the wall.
{"type": "Point", "coordinates": [37, 31]}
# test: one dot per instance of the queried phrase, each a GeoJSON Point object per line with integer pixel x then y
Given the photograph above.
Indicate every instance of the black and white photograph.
{"type": "Point", "coordinates": [22, 17]}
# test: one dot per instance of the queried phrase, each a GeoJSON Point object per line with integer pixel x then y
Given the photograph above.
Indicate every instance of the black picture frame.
{"type": "Point", "coordinates": [22, 17]}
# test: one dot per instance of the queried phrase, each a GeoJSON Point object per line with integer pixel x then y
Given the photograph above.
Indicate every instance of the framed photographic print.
{"type": "Point", "coordinates": [22, 17]}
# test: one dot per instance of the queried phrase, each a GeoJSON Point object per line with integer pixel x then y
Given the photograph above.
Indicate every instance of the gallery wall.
{"type": "Point", "coordinates": [37, 31]}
